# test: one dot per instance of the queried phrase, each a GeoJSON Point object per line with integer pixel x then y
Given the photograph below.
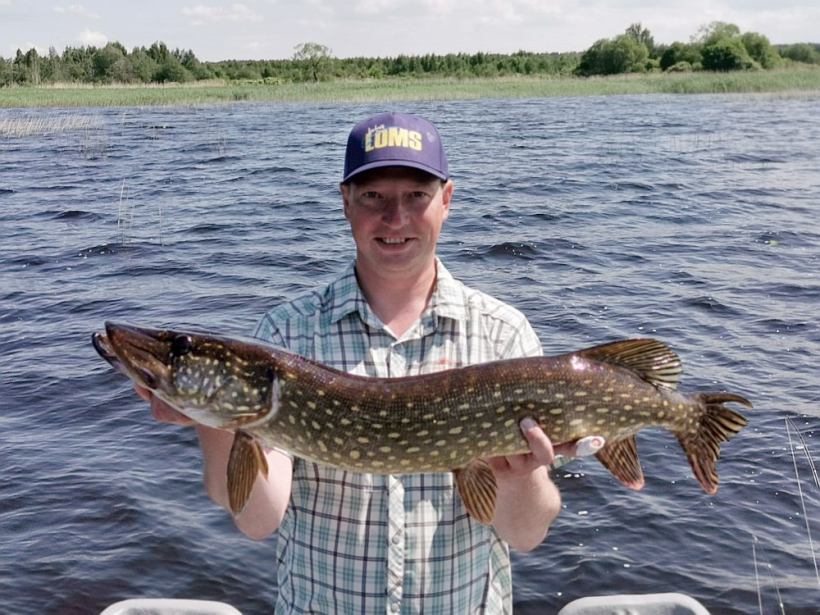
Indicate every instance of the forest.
{"type": "Point", "coordinates": [717, 46]}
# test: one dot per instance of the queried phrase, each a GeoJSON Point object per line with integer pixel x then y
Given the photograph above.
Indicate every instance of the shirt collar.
{"type": "Point", "coordinates": [447, 300]}
{"type": "Point", "coordinates": [347, 297]}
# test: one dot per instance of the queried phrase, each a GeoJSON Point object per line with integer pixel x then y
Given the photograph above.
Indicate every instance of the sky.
{"type": "Point", "coordinates": [271, 29]}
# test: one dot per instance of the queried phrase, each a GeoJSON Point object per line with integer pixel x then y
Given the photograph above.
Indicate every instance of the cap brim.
{"type": "Point", "coordinates": [380, 164]}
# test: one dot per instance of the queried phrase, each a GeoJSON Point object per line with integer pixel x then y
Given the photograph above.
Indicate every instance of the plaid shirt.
{"type": "Point", "coordinates": [368, 543]}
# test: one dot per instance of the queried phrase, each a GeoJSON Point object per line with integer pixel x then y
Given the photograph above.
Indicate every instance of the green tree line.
{"type": "Point", "coordinates": [311, 62]}
{"type": "Point", "coordinates": [717, 46]}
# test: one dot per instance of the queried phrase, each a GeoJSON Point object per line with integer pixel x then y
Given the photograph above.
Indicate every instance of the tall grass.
{"type": "Point", "coordinates": [37, 125]}
{"type": "Point", "coordinates": [407, 89]}
{"type": "Point", "coordinates": [125, 217]}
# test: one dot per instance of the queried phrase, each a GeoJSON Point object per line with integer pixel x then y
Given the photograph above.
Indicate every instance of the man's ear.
{"type": "Point", "coordinates": [345, 190]}
{"type": "Point", "coordinates": [447, 195]}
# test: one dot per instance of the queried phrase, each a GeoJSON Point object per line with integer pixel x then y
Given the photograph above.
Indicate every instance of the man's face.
{"type": "Point", "coordinates": [396, 215]}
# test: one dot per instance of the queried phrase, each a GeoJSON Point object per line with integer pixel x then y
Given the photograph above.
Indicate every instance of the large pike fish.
{"type": "Point", "coordinates": [446, 421]}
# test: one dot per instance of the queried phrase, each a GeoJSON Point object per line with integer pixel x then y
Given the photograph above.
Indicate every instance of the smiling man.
{"type": "Point", "coordinates": [367, 543]}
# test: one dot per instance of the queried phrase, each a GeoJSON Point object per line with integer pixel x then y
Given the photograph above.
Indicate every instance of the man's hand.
{"type": "Point", "coordinates": [543, 453]}
{"type": "Point", "coordinates": [162, 411]}
{"type": "Point", "coordinates": [528, 501]}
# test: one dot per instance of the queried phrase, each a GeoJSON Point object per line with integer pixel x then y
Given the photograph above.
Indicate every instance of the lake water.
{"type": "Point", "coordinates": [690, 219]}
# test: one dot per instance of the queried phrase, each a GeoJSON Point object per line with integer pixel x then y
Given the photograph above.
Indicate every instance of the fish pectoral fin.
{"type": "Point", "coordinates": [717, 424]}
{"type": "Point", "coordinates": [621, 458]}
{"type": "Point", "coordinates": [479, 490]}
{"type": "Point", "coordinates": [246, 461]}
{"type": "Point", "coordinates": [652, 360]}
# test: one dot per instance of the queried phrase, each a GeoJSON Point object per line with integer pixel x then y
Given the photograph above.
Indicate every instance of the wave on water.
{"type": "Point", "coordinates": [684, 277]}
{"type": "Point", "coordinates": [545, 216]}
{"type": "Point", "coordinates": [28, 260]}
{"type": "Point", "coordinates": [113, 249]}
{"type": "Point", "coordinates": [695, 247]}
{"type": "Point", "coordinates": [156, 127]}
{"type": "Point", "coordinates": [201, 163]}
{"type": "Point", "coordinates": [137, 268]}
{"type": "Point", "coordinates": [219, 159]}
{"type": "Point", "coordinates": [776, 324]}
{"type": "Point", "coordinates": [75, 215]}
{"type": "Point", "coordinates": [509, 250]}
{"type": "Point", "coordinates": [271, 171]}
{"type": "Point", "coordinates": [810, 292]}
{"type": "Point", "coordinates": [710, 304]}
{"type": "Point", "coordinates": [52, 187]}
{"type": "Point", "coordinates": [638, 186]}
{"type": "Point", "coordinates": [207, 228]}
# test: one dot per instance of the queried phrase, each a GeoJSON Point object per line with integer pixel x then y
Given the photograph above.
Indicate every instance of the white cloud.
{"type": "Point", "coordinates": [490, 12]}
{"type": "Point", "coordinates": [439, 8]}
{"type": "Point", "coordinates": [376, 7]}
{"type": "Point", "coordinates": [92, 39]}
{"type": "Point", "coordinates": [504, 10]}
{"type": "Point", "coordinates": [75, 9]}
{"type": "Point", "coordinates": [237, 13]}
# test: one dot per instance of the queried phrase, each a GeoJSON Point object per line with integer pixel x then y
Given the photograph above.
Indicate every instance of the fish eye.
{"type": "Point", "coordinates": [181, 345]}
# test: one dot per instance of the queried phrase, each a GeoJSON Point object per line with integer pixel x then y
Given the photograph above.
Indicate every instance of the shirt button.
{"type": "Point", "coordinates": [396, 539]}
{"type": "Point", "coordinates": [395, 607]}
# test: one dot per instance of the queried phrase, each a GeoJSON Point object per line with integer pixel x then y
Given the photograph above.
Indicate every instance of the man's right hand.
{"type": "Point", "coordinates": [162, 411]}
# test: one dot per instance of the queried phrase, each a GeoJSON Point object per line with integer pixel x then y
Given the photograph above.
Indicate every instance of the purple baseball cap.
{"type": "Point", "coordinates": [395, 140]}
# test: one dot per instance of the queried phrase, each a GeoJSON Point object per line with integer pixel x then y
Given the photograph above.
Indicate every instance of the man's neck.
{"type": "Point", "coordinates": [398, 300]}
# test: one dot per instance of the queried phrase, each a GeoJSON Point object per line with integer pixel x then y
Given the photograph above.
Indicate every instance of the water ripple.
{"type": "Point", "coordinates": [687, 219]}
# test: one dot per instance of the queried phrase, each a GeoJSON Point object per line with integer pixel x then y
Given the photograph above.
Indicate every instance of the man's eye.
{"type": "Point", "coordinates": [371, 195]}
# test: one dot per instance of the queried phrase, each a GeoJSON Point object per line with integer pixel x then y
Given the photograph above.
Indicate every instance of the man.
{"type": "Point", "coordinates": [366, 543]}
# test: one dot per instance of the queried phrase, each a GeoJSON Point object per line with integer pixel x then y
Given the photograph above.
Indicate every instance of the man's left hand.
{"type": "Point", "coordinates": [542, 452]}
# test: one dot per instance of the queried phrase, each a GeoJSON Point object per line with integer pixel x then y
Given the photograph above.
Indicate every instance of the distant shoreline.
{"type": "Point", "coordinates": [792, 81]}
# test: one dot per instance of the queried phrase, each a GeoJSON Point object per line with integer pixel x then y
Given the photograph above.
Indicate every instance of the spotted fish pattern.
{"type": "Point", "coordinates": [446, 421]}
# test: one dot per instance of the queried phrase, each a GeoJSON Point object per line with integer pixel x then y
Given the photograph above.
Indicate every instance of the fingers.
{"type": "Point", "coordinates": [546, 454]}
{"type": "Point", "coordinates": [589, 446]}
{"type": "Point", "coordinates": [542, 452]}
{"type": "Point", "coordinates": [162, 411]}
{"type": "Point", "coordinates": [584, 447]}
{"type": "Point", "coordinates": [143, 392]}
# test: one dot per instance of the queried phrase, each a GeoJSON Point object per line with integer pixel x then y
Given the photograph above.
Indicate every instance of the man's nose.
{"type": "Point", "coordinates": [395, 212]}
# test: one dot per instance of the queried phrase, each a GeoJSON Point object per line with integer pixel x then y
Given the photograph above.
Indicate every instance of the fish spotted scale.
{"type": "Point", "coordinates": [273, 398]}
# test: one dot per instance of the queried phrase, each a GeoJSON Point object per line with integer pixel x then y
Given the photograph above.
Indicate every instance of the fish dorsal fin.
{"type": "Point", "coordinates": [650, 359]}
{"type": "Point", "coordinates": [621, 458]}
{"type": "Point", "coordinates": [246, 461]}
{"type": "Point", "coordinates": [478, 489]}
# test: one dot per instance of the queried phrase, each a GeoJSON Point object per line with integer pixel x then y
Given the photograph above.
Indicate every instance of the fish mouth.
{"type": "Point", "coordinates": [140, 353]}
{"type": "Point", "coordinates": [103, 347]}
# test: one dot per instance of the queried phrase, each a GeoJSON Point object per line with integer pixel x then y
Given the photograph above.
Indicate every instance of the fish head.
{"type": "Point", "coordinates": [219, 382]}
{"type": "Point", "coordinates": [104, 349]}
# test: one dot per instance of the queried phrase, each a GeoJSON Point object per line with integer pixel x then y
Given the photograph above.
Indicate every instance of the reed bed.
{"type": "Point", "coordinates": [802, 81]}
{"type": "Point", "coordinates": [38, 125]}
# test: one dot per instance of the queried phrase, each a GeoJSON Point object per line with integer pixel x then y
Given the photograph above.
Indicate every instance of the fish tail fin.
{"type": "Point", "coordinates": [717, 424]}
